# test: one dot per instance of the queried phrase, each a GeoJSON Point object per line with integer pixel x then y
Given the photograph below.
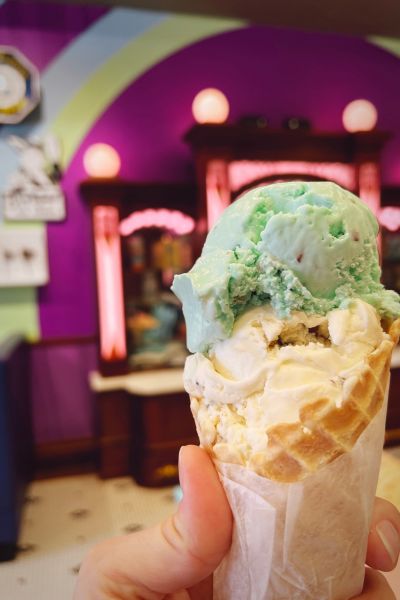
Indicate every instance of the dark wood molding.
{"type": "Point", "coordinates": [392, 437]}
{"type": "Point", "coordinates": [67, 341]}
{"type": "Point", "coordinates": [237, 141]}
{"type": "Point", "coordinates": [66, 457]}
{"type": "Point", "coordinates": [129, 196]}
{"type": "Point", "coordinates": [390, 195]}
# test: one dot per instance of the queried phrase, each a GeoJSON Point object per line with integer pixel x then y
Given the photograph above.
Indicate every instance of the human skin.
{"type": "Point", "coordinates": [175, 559]}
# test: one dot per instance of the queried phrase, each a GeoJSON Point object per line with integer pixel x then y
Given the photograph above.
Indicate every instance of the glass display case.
{"type": "Point", "coordinates": [143, 235]}
{"type": "Point", "coordinates": [155, 326]}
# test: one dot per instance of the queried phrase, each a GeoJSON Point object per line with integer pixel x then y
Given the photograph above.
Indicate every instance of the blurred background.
{"type": "Point", "coordinates": [125, 129]}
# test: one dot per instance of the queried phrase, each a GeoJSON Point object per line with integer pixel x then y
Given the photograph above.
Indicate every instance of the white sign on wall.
{"type": "Point", "coordinates": [33, 193]}
{"type": "Point", "coordinates": [23, 256]}
{"type": "Point", "coordinates": [34, 205]}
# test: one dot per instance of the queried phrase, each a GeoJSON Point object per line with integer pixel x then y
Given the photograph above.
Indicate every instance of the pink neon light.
{"type": "Point", "coordinates": [243, 172]}
{"type": "Point", "coordinates": [217, 188]}
{"type": "Point", "coordinates": [110, 288]}
{"type": "Point", "coordinates": [369, 186]}
{"type": "Point", "coordinates": [172, 220]}
{"type": "Point", "coordinates": [389, 217]}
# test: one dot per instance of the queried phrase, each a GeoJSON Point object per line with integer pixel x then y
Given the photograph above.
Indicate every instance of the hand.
{"type": "Point", "coordinates": [172, 557]}
{"type": "Point", "coordinates": [383, 551]}
{"type": "Point", "coordinates": [176, 559]}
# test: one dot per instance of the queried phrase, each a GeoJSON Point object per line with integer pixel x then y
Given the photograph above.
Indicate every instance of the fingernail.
{"type": "Point", "coordinates": [390, 538]}
{"type": "Point", "coordinates": [181, 451]}
{"type": "Point", "coordinates": [181, 470]}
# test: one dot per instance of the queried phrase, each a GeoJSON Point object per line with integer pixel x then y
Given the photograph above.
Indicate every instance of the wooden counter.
{"type": "Point", "coordinates": [143, 420]}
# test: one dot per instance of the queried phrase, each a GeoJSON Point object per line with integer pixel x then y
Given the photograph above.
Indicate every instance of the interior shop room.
{"type": "Point", "coordinates": [127, 128]}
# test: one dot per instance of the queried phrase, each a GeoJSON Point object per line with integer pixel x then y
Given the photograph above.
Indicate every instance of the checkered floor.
{"type": "Point", "coordinates": [64, 517]}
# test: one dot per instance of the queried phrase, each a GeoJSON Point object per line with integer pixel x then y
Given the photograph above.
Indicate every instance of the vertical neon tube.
{"type": "Point", "coordinates": [369, 186]}
{"type": "Point", "coordinates": [369, 191]}
{"type": "Point", "coordinates": [110, 287]}
{"type": "Point", "coordinates": [217, 190]}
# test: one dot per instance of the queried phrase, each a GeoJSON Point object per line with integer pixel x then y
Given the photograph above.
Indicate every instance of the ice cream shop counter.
{"type": "Point", "coordinates": [143, 420]}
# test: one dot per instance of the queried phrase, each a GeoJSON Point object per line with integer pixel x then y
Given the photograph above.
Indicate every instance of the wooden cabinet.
{"type": "Point", "coordinates": [114, 430]}
{"type": "Point", "coordinates": [161, 425]}
{"type": "Point", "coordinates": [141, 430]}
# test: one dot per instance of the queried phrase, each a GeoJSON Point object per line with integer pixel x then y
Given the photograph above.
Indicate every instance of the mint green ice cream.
{"type": "Point", "coordinates": [308, 246]}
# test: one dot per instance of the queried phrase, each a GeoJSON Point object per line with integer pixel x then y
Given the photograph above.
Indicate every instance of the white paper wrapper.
{"type": "Point", "coordinates": [302, 541]}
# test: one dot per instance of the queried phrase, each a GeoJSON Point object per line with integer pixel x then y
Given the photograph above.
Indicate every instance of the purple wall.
{"type": "Point", "coordinates": [261, 70]}
{"type": "Point", "coordinates": [67, 305]}
{"type": "Point", "coordinates": [61, 400]}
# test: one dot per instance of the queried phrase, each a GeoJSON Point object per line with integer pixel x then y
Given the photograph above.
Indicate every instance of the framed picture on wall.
{"type": "Point", "coordinates": [23, 256]}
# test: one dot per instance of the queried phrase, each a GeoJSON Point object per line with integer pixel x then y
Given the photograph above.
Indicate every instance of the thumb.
{"type": "Point", "coordinates": [177, 554]}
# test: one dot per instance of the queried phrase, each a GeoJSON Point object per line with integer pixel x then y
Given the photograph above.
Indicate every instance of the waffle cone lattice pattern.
{"type": "Point", "coordinates": [325, 431]}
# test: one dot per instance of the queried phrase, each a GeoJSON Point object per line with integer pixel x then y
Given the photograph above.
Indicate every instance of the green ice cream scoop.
{"type": "Point", "coordinates": [297, 246]}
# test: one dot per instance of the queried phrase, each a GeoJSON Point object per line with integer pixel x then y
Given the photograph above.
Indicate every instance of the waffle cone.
{"type": "Point", "coordinates": [324, 431]}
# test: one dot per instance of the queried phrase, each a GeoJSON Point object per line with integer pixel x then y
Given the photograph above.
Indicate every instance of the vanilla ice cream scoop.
{"type": "Point", "coordinates": [268, 369]}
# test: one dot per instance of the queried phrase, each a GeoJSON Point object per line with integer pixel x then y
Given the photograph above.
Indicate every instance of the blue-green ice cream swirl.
{"type": "Point", "coordinates": [297, 246]}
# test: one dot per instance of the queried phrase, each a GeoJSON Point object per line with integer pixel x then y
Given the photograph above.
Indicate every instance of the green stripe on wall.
{"type": "Point", "coordinates": [390, 44]}
{"type": "Point", "coordinates": [142, 53]}
{"type": "Point", "coordinates": [18, 312]}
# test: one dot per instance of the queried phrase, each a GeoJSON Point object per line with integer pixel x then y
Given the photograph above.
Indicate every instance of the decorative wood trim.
{"type": "Point", "coordinates": [390, 195]}
{"type": "Point", "coordinates": [236, 141]}
{"type": "Point", "coordinates": [66, 457]}
{"type": "Point", "coordinates": [67, 341]}
{"type": "Point", "coordinates": [172, 444]}
{"type": "Point", "coordinates": [129, 196]}
{"type": "Point", "coordinates": [392, 437]}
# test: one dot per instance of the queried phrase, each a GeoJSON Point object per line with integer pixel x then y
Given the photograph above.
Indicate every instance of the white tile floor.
{"type": "Point", "coordinates": [64, 517]}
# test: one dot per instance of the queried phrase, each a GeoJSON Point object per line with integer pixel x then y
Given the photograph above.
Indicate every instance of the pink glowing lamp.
{"type": "Point", "coordinates": [359, 115]}
{"type": "Point", "coordinates": [101, 161]}
{"type": "Point", "coordinates": [210, 106]}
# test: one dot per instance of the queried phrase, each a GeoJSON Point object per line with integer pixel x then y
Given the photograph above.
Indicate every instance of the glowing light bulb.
{"type": "Point", "coordinates": [359, 115]}
{"type": "Point", "coordinates": [101, 160]}
{"type": "Point", "coordinates": [210, 106]}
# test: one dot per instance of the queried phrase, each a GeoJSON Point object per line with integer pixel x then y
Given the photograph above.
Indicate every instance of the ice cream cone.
{"type": "Point", "coordinates": [304, 540]}
{"type": "Point", "coordinates": [324, 432]}
{"type": "Point", "coordinates": [292, 334]}
{"type": "Point", "coordinates": [302, 508]}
